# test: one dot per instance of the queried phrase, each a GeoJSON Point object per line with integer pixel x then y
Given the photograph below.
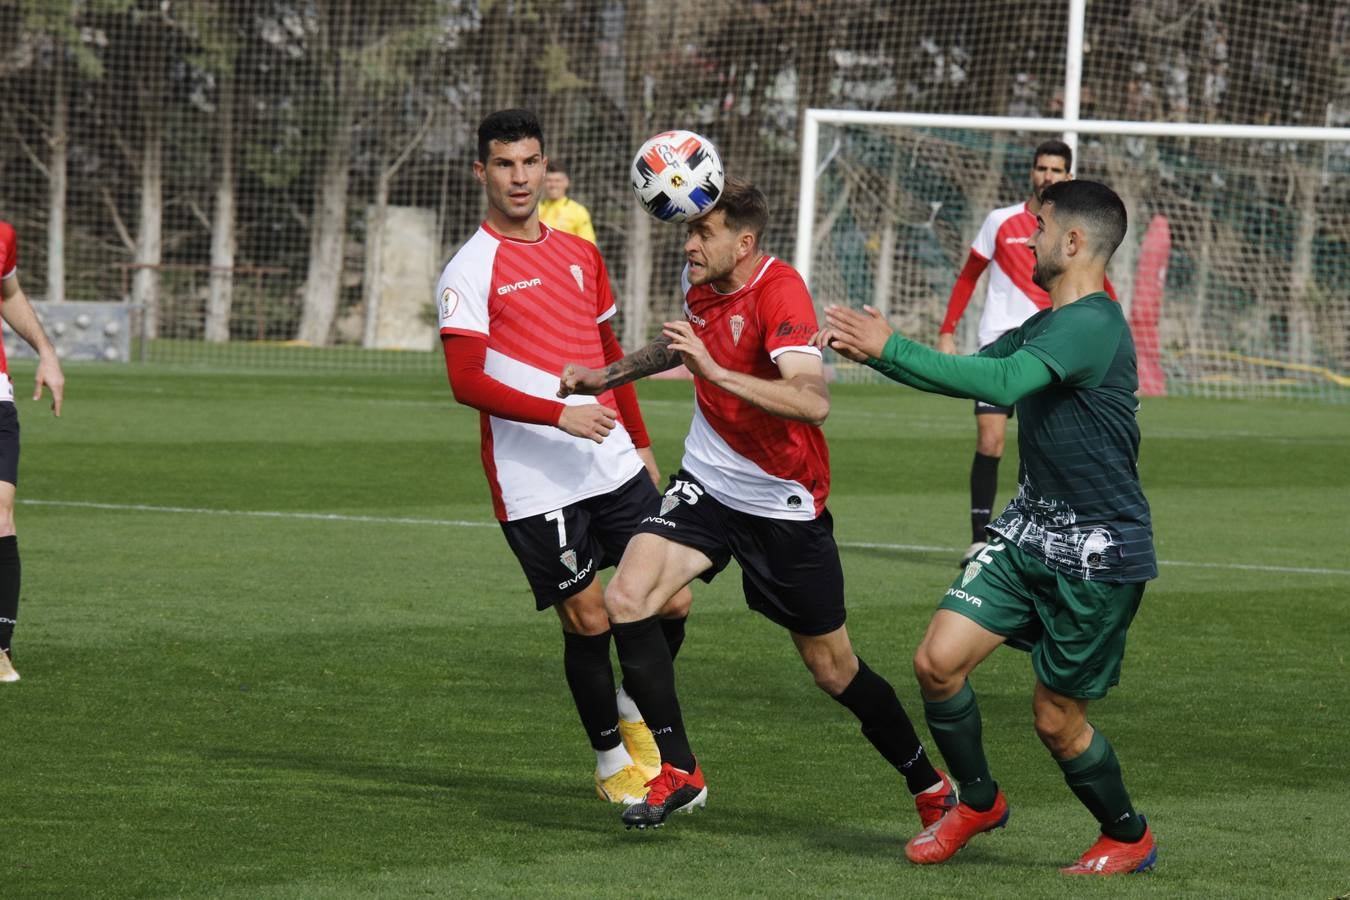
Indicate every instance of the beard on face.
{"type": "Point", "coordinates": [1045, 272]}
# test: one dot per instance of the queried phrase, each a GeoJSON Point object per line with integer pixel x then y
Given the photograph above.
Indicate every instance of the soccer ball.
{"type": "Point", "coordinates": [678, 176]}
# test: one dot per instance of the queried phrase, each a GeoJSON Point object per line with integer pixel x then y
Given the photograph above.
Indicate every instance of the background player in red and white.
{"type": "Point", "coordinates": [19, 315]}
{"type": "Point", "coordinates": [752, 486]}
{"type": "Point", "coordinates": [1010, 299]}
{"type": "Point", "coordinates": [569, 481]}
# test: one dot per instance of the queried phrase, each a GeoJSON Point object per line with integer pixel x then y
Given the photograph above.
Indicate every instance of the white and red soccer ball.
{"type": "Point", "coordinates": [678, 176]}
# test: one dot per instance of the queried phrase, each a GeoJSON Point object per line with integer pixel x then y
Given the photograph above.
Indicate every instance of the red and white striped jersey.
{"type": "Point", "coordinates": [539, 304]}
{"type": "Point", "coordinates": [748, 459]}
{"type": "Point", "coordinates": [1011, 296]}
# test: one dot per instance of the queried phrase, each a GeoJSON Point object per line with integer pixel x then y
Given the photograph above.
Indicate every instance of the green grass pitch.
{"type": "Point", "coordinates": [273, 645]}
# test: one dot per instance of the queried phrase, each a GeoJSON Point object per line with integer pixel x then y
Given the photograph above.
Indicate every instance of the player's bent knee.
{"type": "Point", "coordinates": [584, 613]}
{"type": "Point", "coordinates": [1061, 733]}
{"type": "Point", "coordinates": [935, 677]}
{"type": "Point", "coordinates": [829, 677]}
{"type": "Point", "coordinates": [623, 604]}
{"type": "Point", "coordinates": [677, 607]}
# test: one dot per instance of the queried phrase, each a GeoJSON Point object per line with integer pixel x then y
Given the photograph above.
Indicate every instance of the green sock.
{"type": "Point", "coordinates": [1094, 777]}
{"type": "Point", "coordinates": [955, 724]}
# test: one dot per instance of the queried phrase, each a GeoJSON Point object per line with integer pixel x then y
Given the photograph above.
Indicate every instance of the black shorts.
{"type": "Point", "coordinates": [561, 551]}
{"type": "Point", "coordinates": [9, 442]}
{"type": "Point", "coordinates": [790, 570]}
{"type": "Point", "coordinates": [986, 409]}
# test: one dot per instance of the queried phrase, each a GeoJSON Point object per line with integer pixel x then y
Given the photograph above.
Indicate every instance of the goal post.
{"type": "Point", "coordinates": [1252, 222]}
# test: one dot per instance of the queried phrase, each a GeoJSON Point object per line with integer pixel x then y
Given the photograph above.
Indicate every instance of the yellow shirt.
{"type": "Point", "coordinates": [567, 215]}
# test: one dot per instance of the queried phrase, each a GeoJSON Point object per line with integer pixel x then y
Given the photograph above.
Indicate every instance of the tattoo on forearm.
{"type": "Point", "coordinates": [655, 357]}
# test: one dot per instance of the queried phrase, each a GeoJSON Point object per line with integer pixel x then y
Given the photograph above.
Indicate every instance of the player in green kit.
{"type": "Point", "coordinates": [1067, 560]}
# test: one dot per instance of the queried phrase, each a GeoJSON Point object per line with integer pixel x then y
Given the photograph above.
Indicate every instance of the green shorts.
{"type": "Point", "coordinates": [1074, 629]}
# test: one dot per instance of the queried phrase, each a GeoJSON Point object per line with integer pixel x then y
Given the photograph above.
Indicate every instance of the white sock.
{"type": "Point", "coordinates": [934, 789]}
{"type": "Point", "coordinates": [628, 710]}
{"type": "Point", "coordinates": [607, 762]}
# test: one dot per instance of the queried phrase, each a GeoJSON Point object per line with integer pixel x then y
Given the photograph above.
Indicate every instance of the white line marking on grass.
{"type": "Point", "coordinates": [464, 523]}
{"type": "Point", "coordinates": [260, 514]}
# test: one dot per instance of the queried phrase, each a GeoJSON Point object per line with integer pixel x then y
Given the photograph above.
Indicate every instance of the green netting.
{"type": "Point", "coordinates": [1255, 300]}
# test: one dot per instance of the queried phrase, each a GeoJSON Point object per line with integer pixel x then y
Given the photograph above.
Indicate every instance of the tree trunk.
{"type": "Point", "coordinates": [885, 277]}
{"type": "Point", "coordinates": [57, 183]}
{"type": "Point", "coordinates": [328, 234]}
{"type": "Point", "coordinates": [223, 239]}
{"type": "Point", "coordinates": [150, 228]}
{"type": "Point", "coordinates": [374, 258]}
{"type": "Point", "coordinates": [1302, 284]}
{"type": "Point", "coordinates": [637, 282]}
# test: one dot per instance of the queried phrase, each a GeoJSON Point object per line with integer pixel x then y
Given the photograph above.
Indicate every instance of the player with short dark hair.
{"type": "Point", "coordinates": [752, 487]}
{"type": "Point", "coordinates": [1011, 297]}
{"type": "Point", "coordinates": [561, 212]}
{"type": "Point", "coordinates": [19, 315]}
{"type": "Point", "coordinates": [570, 481]}
{"type": "Point", "coordinates": [1066, 566]}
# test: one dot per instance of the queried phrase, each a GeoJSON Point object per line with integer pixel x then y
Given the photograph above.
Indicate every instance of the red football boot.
{"type": "Point", "coordinates": [940, 841]}
{"type": "Point", "coordinates": [932, 806]}
{"type": "Point", "coordinates": [672, 790]}
{"type": "Point", "coordinates": [1112, 857]}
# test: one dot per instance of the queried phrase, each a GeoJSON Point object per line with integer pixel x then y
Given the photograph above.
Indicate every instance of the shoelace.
{"type": "Point", "coordinates": [666, 782]}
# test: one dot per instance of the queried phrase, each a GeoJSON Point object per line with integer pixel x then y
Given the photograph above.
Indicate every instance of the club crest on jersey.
{"type": "Point", "coordinates": [669, 502]}
{"type": "Point", "coordinates": [737, 326]}
{"type": "Point", "coordinates": [569, 559]}
{"type": "Point", "coordinates": [971, 571]}
{"type": "Point", "coordinates": [449, 300]}
{"type": "Point", "coordinates": [576, 273]}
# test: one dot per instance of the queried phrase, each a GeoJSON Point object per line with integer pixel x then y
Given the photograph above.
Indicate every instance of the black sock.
{"type": "Point", "coordinates": [9, 589]}
{"type": "Point", "coordinates": [649, 678]}
{"type": "Point", "coordinates": [983, 491]}
{"type": "Point", "coordinates": [673, 629]}
{"type": "Point", "coordinates": [591, 680]}
{"type": "Point", "coordinates": [884, 722]}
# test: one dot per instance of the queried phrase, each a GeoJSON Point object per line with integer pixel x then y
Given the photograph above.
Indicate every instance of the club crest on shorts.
{"type": "Point", "coordinates": [971, 571]}
{"type": "Point", "coordinates": [737, 326]}
{"type": "Point", "coordinates": [669, 502]}
{"type": "Point", "coordinates": [569, 559]}
{"type": "Point", "coordinates": [576, 273]}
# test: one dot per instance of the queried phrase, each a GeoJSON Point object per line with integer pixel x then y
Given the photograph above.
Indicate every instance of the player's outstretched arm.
{"type": "Point", "coordinates": [20, 316]}
{"type": "Point", "coordinates": [655, 357]}
{"type": "Point", "coordinates": [865, 337]}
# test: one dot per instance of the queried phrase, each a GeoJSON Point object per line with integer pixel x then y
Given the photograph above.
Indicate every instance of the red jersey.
{"type": "Point", "coordinates": [9, 267]}
{"type": "Point", "coordinates": [748, 459]}
{"type": "Point", "coordinates": [538, 303]}
{"type": "Point", "coordinates": [9, 251]}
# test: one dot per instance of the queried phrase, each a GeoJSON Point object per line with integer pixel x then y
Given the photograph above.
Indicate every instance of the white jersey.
{"type": "Point", "coordinates": [539, 304]}
{"type": "Point", "coordinates": [1011, 296]}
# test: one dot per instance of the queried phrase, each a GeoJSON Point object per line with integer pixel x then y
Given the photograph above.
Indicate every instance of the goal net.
{"type": "Point", "coordinates": [1233, 273]}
